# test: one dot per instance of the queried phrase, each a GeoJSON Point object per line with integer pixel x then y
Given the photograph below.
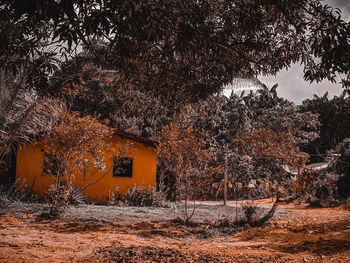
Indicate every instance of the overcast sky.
{"type": "Point", "coordinates": [291, 84]}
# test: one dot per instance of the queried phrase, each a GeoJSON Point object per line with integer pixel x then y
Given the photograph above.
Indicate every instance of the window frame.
{"type": "Point", "coordinates": [128, 167]}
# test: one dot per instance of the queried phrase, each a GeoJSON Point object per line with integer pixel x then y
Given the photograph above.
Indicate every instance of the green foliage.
{"type": "Point", "coordinates": [183, 149]}
{"type": "Point", "coordinates": [224, 119]}
{"type": "Point", "coordinates": [23, 115]}
{"type": "Point", "coordinates": [62, 195]}
{"type": "Point", "coordinates": [92, 91]}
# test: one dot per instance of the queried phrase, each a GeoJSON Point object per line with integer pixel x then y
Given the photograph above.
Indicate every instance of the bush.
{"type": "Point", "coordinates": [62, 195]}
{"type": "Point", "coordinates": [251, 211]}
{"type": "Point", "coordinates": [324, 191]}
{"type": "Point", "coordinates": [11, 193]}
{"type": "Point", "coordinates": [67, 147]}
{"type": "Point", "coordinates": [138, 196]}
{"type": "Point", "coordinates": [5, 196]}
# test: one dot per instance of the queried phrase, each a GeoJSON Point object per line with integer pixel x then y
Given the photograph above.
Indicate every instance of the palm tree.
{"type": "Point", "coordinates": [23, 114]}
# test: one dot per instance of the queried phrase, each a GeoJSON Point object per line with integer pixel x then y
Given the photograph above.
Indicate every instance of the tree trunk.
{"type": "Point", "coordinates": [225, 176]}
{"type": "Point", "coordinates": [271, 213]}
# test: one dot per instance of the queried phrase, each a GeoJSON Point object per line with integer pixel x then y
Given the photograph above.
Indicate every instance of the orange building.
{"type": "Point", "coordinates": [137, 167]}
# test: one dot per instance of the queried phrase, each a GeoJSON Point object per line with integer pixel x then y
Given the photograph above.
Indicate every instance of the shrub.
{"type": "Point", "coordinates": [138, 196]}
{"type": "Point", "coordinates": [62, 195]}
{"type": "Point", "coordinates": [72, 146]}
{"type": "Point", "coordinates": [251, 211]}
{"type": "Point", "coordinates": [10, 194]}
{"type": "Point", "coordinates": [325, 191]}
{"type": "Point", "coordinates": [5, 196]}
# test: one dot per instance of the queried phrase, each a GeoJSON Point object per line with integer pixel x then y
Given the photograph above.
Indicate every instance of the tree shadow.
{"type": "Point", "coordinates": [320, 247]}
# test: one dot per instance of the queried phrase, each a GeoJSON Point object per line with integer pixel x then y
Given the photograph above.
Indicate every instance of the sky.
{"type": "Point", "coordinates": [291, 84]}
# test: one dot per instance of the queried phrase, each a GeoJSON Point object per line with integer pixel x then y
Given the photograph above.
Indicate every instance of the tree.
{"type": "Point", "coordinates": [73, 146]}
{"type": "Point", "coordinates": [280, 147]}
{"type": "Point", "coordinates": [91, 90]}
{"type": "Point", "coordinates": [280, 115]}
{"type": "Point", "coordinates": [226, 118]}
{"type": "Point", "coordinates": [184, 150]}
{"type": "Point", "coordinates": [343, 168]}
{"type": "Point", "coordinates": [333, 116]}
{"type": "Point", "coordinates": [178, 49]}
{"type": "Point", "coordinates": [23, 117]}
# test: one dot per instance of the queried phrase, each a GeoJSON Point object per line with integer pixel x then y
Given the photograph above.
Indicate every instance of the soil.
{"type": "Point", "coordinates": [93, 233]}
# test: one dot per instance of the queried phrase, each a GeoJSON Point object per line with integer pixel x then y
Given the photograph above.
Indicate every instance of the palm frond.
{"type": "Point", "coordinates": [23, 114]}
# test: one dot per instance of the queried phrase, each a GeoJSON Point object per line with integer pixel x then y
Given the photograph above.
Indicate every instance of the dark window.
{"type": "Point", "coordinates": [122, 167]}
{"type": "Point", "coordinates": [50, 164]}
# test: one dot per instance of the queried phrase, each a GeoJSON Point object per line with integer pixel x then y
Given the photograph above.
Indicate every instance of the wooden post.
{"type": "Point", "coordinates": [225, 176]}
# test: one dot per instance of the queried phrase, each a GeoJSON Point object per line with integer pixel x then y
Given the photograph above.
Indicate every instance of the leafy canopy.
{"type": "Point", "coordinates": [191, 48]}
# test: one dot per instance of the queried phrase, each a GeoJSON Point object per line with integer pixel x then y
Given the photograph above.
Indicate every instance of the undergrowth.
{"type": "Point", "coordinates": [61, 195]}
{"type": "Point", "coordinates": [138, 196]}
{"type": "Point", "coordinates": [15, 193]}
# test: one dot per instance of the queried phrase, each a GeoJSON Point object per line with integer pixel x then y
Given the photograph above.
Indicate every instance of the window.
{"type": "Point", "coordinates": [50, 164]}
{"type": "Point", "coordinates": [122, 167]}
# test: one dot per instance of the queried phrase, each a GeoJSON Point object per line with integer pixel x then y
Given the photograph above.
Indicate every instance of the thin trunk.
{"type": "Point", "coordinates": [271, 213]}
{"type": "Point", "coordinates": [236, 195]}
{"type": "Point", "coordinates": [96, 181]}
{"type": "Point", "coordinates": [225, 176]}
{"type": "Point", "coordinates": [218, 191]}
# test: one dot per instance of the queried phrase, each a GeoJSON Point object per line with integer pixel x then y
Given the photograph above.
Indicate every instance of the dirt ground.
{"type": "Point", "coordinates": [93, 233]}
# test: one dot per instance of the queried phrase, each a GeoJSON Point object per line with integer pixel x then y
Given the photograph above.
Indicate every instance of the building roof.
{"type": "Point", "coordinates": [143, 140]}
{"type": "Point", "coordinates": [310, 167]}
{"type": "Point", "coordinates": [317, 166]}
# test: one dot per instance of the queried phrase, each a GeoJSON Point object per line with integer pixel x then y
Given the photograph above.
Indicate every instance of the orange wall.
{"type": "Point", "coordinates": [30, 163]}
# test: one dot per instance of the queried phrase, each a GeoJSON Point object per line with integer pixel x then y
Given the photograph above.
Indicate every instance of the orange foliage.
{"type": "Point", "coordinates": [76, 143]}
{"type": "Point", "coordinates": [266, 143]}
{"type": "Point", "coordinates": [279, 146]}
{"type": "Point", "coordinates": [185, 153]}
{"type": "Point", "coordinates": [74, 139]}
{"type": "Point", "coordinates": [184, 149]}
